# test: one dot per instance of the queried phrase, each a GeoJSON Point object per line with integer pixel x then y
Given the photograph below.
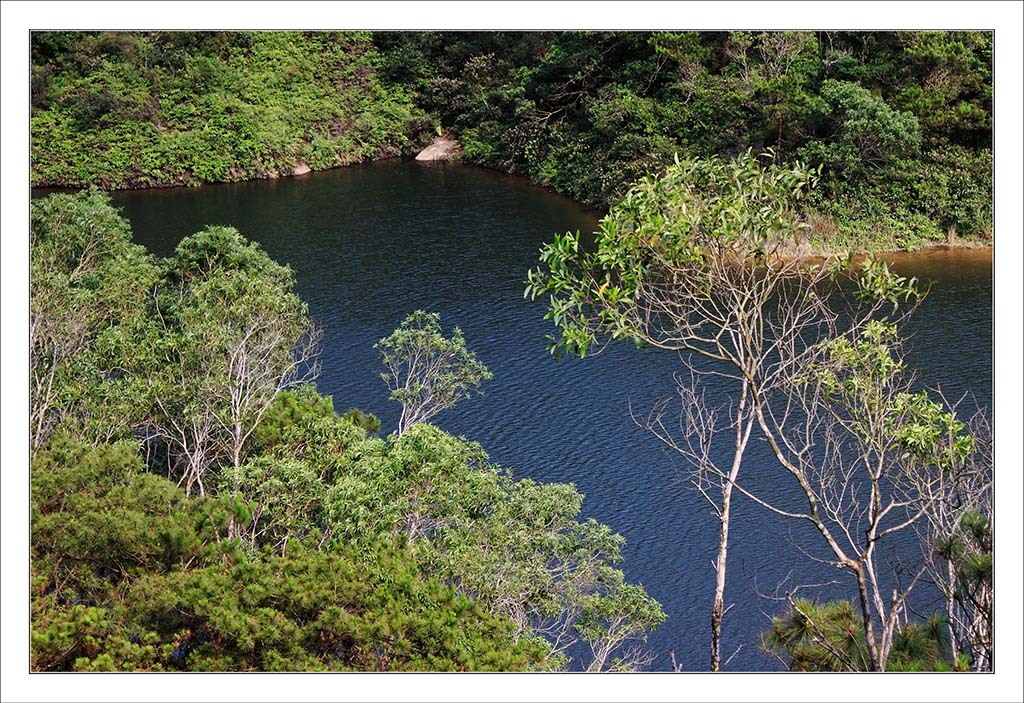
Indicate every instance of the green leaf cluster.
{"type": "Point", "coordinates": [813, 636]}
{"type": "Point", "coordinates": [426, 371]}
{"type": "Point", "coordinates": [736, 210]}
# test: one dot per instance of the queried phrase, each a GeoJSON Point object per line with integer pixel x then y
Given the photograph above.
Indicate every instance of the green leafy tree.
{"type": "Point", "coordinates": [130, 574]}
{"type": "Point", "coordinates": [100, 523]}
{"type": "Point", "coordinates": [89, 290]}
{"type": "Point", "coordinates": [322, 610]}
{"type": "Point", "coordinates": [813, 636]}
{"type": "Point", "coordinates": [863, 132]}
{"type": "Point", "coordinates": [426, 371]}
{"type": "Point", "coordinates": [291, 406]}
{"type": "Point", "coordinates": [234, 335]}
{"type": "Point", "coordinates": [883, 459]}
{"type": "Point", "coordinates": [517, 548]}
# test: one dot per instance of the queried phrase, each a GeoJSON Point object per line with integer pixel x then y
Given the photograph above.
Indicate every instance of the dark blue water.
{"type": "Point", "coordinates": [370, 244]}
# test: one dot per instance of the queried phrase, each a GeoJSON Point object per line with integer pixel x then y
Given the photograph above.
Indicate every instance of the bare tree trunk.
{"type": "Point", "coordinates": [717, 607]}
{"type": "Point", "coordinates": [236, 445]}
{"type": "Point", "coordinates": [743, 427]}
{"type": "Point", "coordinates": [950, 615]}
{"type": "Point", "coordinates": [778, 145]}
{"type": "Point", "coordinates": [869, 629]}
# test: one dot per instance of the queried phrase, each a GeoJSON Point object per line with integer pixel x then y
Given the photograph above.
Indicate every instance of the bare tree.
{"type": "Point", "coordinates": [956, 537]}
{"type": "Point", "coordinates": [747, 319]}
{"type": "Point", "coordinates": [56, 337]}
{"type": "Point", "coordinates": [211, 399]}
{"type": "Point", "coordinates": [263, 361]}
{"type": "Point", "coordinates": [694, 262]}
{"type": "Point", "coordinates": [184, 421]}
{"type": "Point", "coordinates": [871, 458]}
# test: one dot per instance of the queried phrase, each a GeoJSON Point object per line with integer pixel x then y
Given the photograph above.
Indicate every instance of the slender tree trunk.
{"type": "Point", "coordinates": [869, 628]}
{"type": "Point", "coordinates": [954, 649]}
{"type": "Point", "coordinates": [236, 447]}
{"type": "Point", "coordinates": [718, 606]}
{"type": "Point", "coordinates": [778, 145]}
{"type": "Point", "coordinates": [743, 427]}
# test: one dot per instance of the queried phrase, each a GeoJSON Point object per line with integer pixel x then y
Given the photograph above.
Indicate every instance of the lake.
{"type": "Point", "coordinates": [370, 244]}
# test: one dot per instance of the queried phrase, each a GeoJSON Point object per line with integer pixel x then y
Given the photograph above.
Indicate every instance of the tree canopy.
{"type": "Point", "coordinates": [223, 516]}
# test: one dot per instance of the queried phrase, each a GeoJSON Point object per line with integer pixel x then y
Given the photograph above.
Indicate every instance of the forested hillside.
{"type": "Point", "coordinates": [898, 122]}
{"type": "Point", "coordinates": [135, 110]}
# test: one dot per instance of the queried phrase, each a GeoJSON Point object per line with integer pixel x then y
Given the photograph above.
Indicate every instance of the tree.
{"type": "Point", "coordinates": [775, 70]}
{"type": "Point", "coordinates": [862, 135]}
{"type": "Point", "coordinates": [322, 610]}
{"type": "Point", "coordinates": [100, 523]}
{"type": "Point", "coordinates": [956, 537]}
{"type": "Point", "coordinates": [234, 335]}
{"type": "Point", "coordinates": [89, 285]}
{"type": "Point", "coordinates": [428, 373]}
{"type": "Point", "coordinates": [814, 636]}
{"type": "Point", "coordinates": [691, 261]}
{"type": "Point", "coordinates": [131, 574]}
{"type": "Point", "coordinates": [872, 457]}
{"type": "Point", "coordinates": [516, 547]}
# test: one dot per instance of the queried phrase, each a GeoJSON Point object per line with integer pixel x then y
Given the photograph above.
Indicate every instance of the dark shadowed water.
{"type": "Point", "coordinates": [370, 244]}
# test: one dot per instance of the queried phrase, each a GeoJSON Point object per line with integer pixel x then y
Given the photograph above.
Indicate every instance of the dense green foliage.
{"type": "Point", "coordinates": [130, 574]}
{"type": "Point", "coordinates": [128, 110]}
{"type": "Point", "coordinates": [900, 122]}
{"type": "Point", "coordinates": [307, 542]}
{"type": "Point", "coordinates": [89, 290]}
